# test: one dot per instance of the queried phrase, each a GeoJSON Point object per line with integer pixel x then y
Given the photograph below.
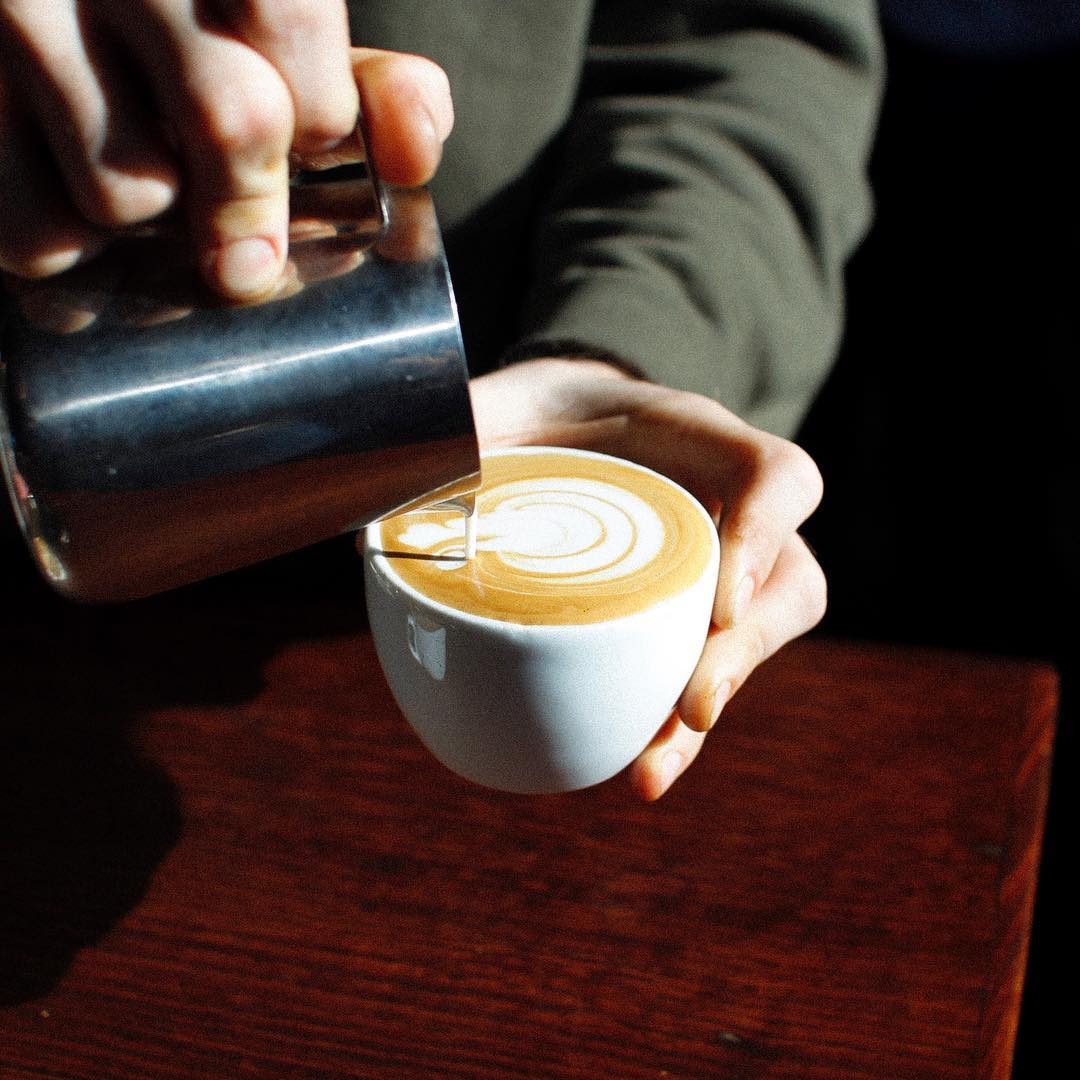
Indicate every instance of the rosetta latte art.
{"type": "Point", "coordinates": [561, 538]}
{"type": "Point", "coordinates": [581, 531]}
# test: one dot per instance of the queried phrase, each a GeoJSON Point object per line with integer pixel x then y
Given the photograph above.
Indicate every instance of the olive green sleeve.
{"type": "Point", "coordinates": [710, 186]}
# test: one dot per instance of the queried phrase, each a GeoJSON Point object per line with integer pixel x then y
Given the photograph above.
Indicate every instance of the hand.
{"type": "Point", "coordinates": [760, 489]}
{"type": "Point", "coordinates": [146, 280]}
{"type": "Point", "coordinates": [114, 111]}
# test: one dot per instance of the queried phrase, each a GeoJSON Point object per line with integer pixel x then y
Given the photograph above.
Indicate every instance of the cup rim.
{"type": "Point", "coordinates": [379, 560]}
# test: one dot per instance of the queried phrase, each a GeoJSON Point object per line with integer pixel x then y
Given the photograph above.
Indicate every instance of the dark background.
{"type": "Point", "coordinates": [946, 433]}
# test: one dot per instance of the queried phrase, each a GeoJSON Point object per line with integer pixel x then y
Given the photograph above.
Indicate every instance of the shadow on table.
{"type": "Point", "coordinates": [85, 817]}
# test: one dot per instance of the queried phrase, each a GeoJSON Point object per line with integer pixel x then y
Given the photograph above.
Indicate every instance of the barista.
{"type": "Point", "coordinates": [689, 177]}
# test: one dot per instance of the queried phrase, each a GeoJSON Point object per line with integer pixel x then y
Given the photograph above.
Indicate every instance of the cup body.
{"type": "Point", "coordinates": [534, 708]}
{"type": "Point", "coordinates": [152, 436]}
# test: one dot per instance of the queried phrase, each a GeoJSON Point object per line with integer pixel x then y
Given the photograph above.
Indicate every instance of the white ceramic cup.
{"type": "Point", "coordinates": [537, 707]}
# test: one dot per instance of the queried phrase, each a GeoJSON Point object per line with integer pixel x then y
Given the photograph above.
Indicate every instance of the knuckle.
{"type": "Point", "coordinates": [250, 113]}
{"type": "Point", "coordinates": [796, 467]}
{"type": "Point", "coordinates": [430, 75]}
{"type": "Point", "coordinates": [326, 120]}
{"type": "Point", "coordinates": [787, 473]}
{"type": "Point", "coordinates": [805, 475]}
{"type": "Point", "coordinates": [427, 80]}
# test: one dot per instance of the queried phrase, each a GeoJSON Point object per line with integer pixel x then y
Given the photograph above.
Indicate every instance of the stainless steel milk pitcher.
{"type": "Point", "coordinates": [153, 436]}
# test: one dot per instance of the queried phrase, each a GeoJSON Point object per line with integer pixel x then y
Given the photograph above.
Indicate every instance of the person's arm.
{"type": "Point", "coordinates": [710, 186]}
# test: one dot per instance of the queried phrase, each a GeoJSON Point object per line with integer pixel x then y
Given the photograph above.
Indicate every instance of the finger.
{"type": "Point", "coordinates": [49, 309]}
{"type": "Point", "coordinates": [237, 150]}
{"type": "Point", "coordinates": [67, 303]}
{"type": "Point", "coordinates": [41, 234]}
{"type": "Point", "coordinates": [230, 114]}
{"type": "Point", "coordinates": [307, 42]}
{"type": "Point", "coordinates": [412, 235]}
{"type": "Point", "coordinates": [760, 487]}
{"type": "Point", "coordinates": [534, 402]}
{"type": "Point", "coordinates": [665, 759]}
{"type": "Point", "coordinates": [780, 488]}
{"type": "Point", "coordinates": [344, 205]}
{"type": "Point", "coordinates": [408, 110]}
{"type": "Point", "coordinates": [114, 162]}
{"type": "Point", "coordinates": [324, 260]}
{"type": "Point", "coordinates": [791, 602]}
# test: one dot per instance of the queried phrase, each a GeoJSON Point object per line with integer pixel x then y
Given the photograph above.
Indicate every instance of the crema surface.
{"type": "Point", "coordinates": [561, 538]}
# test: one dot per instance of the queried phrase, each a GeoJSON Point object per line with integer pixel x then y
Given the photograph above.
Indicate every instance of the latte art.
{"type": "Point", "coordinates": [560, 538]}
{"type": "Point", "coordinates": [579, 530]}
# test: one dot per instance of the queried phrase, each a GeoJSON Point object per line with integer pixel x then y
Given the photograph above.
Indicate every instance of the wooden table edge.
{"type": "Point", "coordinates": [996, 1039]}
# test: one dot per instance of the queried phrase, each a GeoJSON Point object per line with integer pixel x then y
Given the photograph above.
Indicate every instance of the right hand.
{"type": "Point", "coordinates": [114, 112]}
{"type": "Point", "coordinates": [760, 489]}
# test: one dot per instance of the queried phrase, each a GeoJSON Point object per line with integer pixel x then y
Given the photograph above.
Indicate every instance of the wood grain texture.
{"type": "Point", "coordinates": [223, 853]}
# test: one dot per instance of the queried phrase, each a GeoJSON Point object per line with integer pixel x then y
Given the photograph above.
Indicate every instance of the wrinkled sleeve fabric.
{"type": "Point", "coordinates": [710, 186]}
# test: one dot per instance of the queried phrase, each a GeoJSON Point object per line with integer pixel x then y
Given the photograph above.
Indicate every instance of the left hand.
{"type": "Point", "coordinates": [758, 487]}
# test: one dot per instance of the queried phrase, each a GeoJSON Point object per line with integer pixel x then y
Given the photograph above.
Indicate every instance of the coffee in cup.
{"type": "Point", "coordinates": [549, 659]}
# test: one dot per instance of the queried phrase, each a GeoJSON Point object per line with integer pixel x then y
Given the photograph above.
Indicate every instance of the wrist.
{"type": "Point", "coordinates": [569, 349]}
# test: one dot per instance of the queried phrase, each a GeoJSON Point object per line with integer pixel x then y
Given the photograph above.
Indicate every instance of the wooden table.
{"type": "Point", "coordinates": [223, 854]}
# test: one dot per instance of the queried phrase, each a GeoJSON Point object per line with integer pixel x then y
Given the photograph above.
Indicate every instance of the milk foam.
{"type": "Point", "coordinates": [575, 529]}
{"type": "Point", "coordinates": [561, 537]}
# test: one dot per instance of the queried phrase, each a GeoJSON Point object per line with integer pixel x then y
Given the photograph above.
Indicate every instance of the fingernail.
{"type": "Point", "coordinates": [741, 601]}
{"type": "Point", "coordinates": [720, 699]}
{"type": "Point", "coordinates": [246, 267]}
{"type": "Point", "coordinates": [670, 768]}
